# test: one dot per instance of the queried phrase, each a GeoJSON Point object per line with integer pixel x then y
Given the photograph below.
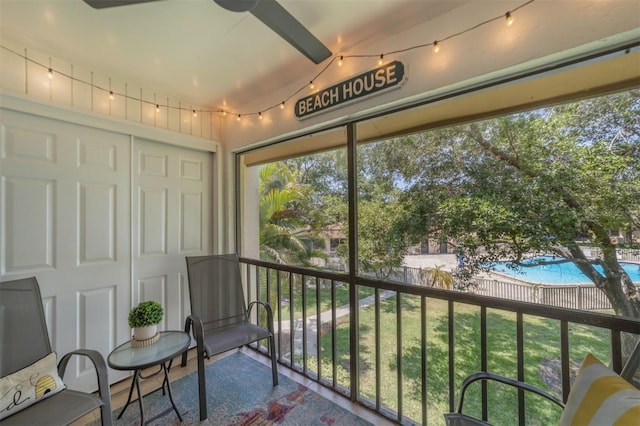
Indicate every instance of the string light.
{"type": "Point", "coordinates": [508, 17]}
{"type": "Point", "coordinates": [195, 114]}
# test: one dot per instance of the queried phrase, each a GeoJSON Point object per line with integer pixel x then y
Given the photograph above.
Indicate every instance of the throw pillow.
{"type": "Point", "coordinates": [31, 384]}
{"type": "Point", "coordinates": [601, 397]}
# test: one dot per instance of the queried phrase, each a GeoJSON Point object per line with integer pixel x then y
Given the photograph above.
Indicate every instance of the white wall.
{"type": "Point", "coordinates": [67, 88]}
{"type": "Point", "coordinates": [542, 33]}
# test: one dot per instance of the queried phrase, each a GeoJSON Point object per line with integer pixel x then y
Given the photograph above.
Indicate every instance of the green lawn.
{"type": "Point", "coordinates": [310, 294]}
{"type": "Point", "coordinates": [542, 352]}
{"type": "Point", "coordinates": [542, 343]}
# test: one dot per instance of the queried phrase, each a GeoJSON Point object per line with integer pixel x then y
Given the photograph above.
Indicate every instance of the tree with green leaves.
{"type": "Point", "coordinates": [502, 189]}
{"type": "Point", "coordinates": [285, 235]}
{"type": "Point", "coordinates": [531, 183]}
{"type": "Point", "coordinates": [382, 240]}
{"type": "Point", "coordinates": [380, 247]}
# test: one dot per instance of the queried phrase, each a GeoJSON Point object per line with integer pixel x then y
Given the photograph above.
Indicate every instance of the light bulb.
{"type": "Point", "coordinates": [195, 114]}
{"type": "Point", "coordinates": [260, 115]}
{"type": "Point", "coordinates": [381, 60]}
{"type": "Point", "coordinates": [157, 108]}
{"type": "Point", "coordinates": [50, 73]}
{"type": "Point", "coordinates": [509, 18]}
{"type": "Point", "coordinates": [311, 85]}
{"type": "Point", "coordinates": [224, 113]}
{"type": "Point", "coordinates": [111, 94]}
{"type": "Point", "coordinates": [340, 61]}
{"type": "Point", "coordinates": [238, 117]}
{"type": "Point", "coordinates": [436, 47]}
{"type": "Point", "coordinates": [282, 105]}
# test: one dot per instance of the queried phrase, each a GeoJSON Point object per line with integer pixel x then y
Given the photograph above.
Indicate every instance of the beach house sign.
{"type": "Point", "coordinates": [365, 84]}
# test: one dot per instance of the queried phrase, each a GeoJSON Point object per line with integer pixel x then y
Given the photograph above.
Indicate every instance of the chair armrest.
{"type": "Point", "coordinates": [267, 307]}
{"type": "Point", "coordinates": [101, 373]}
{"type": "Point", "coordinates": [193, 321]}
{"type": "Point", "coordinates": [507, 381]}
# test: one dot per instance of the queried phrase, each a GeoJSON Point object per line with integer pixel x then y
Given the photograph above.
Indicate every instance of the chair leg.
{"type": "Point", "coordinates": [274, 361]}
{"type": "Point", "coordinates": [202, 387]}
{"type": "Point", "coordinates": [184, 358]}
{"type": "Point", "coordinates": [105, 415]}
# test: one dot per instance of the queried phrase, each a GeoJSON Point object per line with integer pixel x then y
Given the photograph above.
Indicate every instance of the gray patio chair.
{"type": "Point", "coordinates": [220, 316]}
{"type": "Point", "coordinates": [629, 372]}
{"type": "Point", "coordinates": [24, 340]}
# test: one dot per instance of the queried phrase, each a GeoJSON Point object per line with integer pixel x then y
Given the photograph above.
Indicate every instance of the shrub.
{"type": "Point", "coordinates": [145, 314]}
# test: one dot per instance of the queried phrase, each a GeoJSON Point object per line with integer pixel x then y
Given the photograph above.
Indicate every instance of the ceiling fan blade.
{"type": "Point", "coordinates": [276, 17]}
{"type": "Point", "coordinates": [237, 5]}
{"type": "Point", "coordinates": [102, 4]}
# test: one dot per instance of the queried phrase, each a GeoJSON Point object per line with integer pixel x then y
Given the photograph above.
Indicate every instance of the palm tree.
{"type": "Point", "coordinates": [285, 235]}
{"type": "Point", "coordinates": [436, 277]}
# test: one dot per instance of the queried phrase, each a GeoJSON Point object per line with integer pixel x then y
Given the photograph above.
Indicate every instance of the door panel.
{"type": "Point", "coordinates": [64, 218]}
{"type": "Point", "coordinates": [28, 209]}
{"type": "Point", "coordinates": [172, 199]}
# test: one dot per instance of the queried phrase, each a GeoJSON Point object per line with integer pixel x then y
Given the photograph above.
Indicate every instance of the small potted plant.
{"type": "Point", "coordinates": [144, 320]}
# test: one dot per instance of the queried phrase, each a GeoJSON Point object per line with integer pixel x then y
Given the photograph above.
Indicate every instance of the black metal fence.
{"type": "Point", "coordinates": [402, 350]}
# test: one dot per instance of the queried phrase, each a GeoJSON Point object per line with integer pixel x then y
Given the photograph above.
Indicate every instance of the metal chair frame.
{"type": "Point", "coordinates": [220, 317]}
{"type": "Point", "coordinates": [457, 418]}
{"type": "Point", "coordinates": [21, 303]}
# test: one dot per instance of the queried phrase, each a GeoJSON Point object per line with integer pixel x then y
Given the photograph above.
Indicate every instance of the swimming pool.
{"type": "Point", "coordinates": [557, 273]}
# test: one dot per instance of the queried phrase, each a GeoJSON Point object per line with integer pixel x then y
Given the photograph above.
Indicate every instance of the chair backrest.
{"type": "Point", "coordinates": [215, 290]}
{"type": "Point", "coordinates": [631, 369]}
{"type": "Point", "coordinates": [23, 330]}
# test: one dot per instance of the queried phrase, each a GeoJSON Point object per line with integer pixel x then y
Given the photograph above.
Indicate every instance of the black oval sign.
{"type": "Point", "coordinates": [367, 83]}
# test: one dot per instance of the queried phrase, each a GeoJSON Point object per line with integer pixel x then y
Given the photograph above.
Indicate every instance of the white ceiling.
{"type": "Point", "coordinates": [198, 52]}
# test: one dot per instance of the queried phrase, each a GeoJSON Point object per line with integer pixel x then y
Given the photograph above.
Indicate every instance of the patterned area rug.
{"type": "Point", "coordinates": [240, 392]}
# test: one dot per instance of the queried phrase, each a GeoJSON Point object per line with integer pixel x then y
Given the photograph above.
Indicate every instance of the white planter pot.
{"type": "Point", "coordinates": [145, 333]}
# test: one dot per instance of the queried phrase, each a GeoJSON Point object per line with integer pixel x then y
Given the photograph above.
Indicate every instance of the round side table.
{"type": "Point", "coordinates": [128, 357]}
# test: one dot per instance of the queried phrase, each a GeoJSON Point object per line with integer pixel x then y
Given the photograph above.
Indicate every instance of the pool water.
{"type": "Point", "coordinates": [557, 273]}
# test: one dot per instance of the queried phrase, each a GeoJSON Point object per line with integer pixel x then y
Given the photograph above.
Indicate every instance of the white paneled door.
{"type": "Point", "coordinates": [64, 218]}
{"type": "Point", "coordinates": [103, 220]}
{"type": "Point", "coordinates": [172, 219]}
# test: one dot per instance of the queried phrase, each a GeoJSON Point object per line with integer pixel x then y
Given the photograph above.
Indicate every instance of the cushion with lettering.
{"type": "Point", "coordinates": [601, 397]}
{"type": "Point", "coordinates": [31, 384]}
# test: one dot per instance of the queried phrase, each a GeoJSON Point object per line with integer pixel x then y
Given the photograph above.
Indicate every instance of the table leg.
{"type": "Point", "coordinates": [136, 378]}
{"type": "Point", "coordinates": [165, 383]}
{"type": "Point", "coordinates": [168, 370]}
{"type": "Point", "coordinates": [133, 383]}
{"type": "Point", "coordinates": [168, 383]}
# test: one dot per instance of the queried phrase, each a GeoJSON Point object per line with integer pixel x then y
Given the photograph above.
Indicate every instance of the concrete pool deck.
{"type": "Point", "coordinates": [448, 262]}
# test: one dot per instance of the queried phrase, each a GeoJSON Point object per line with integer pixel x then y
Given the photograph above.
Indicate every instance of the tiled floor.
{"type": "Point", "coordinates": [120, 390]}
